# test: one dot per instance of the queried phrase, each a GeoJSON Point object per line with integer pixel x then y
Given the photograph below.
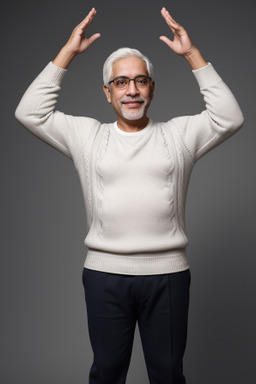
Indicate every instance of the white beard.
{"type": "Point", "coordinates": [134, 114]}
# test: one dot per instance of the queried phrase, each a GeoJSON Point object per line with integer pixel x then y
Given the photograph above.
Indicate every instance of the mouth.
{"type": "Point", "coordinates": [132, 103]}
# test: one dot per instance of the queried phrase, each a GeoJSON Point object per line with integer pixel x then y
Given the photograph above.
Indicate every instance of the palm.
{"type": "Point", "coordinates": [78, 42]}
{"type": "Point", "coordinates": [181, 43]}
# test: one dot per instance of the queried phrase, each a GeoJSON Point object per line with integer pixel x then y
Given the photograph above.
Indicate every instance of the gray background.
{"type": "Point", "coordinates": [44, 336]}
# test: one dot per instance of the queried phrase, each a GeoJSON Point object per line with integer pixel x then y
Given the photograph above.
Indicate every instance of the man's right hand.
{"type": "Point", "coordinates": [77, 43]}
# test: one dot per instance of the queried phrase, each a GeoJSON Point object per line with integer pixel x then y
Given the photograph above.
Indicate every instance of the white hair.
{"type": "Point", "coordinates": [120, 54]}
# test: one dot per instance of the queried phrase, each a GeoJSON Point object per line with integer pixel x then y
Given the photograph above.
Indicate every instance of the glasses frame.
{"type": "Point", "coordinates": [134, 79]}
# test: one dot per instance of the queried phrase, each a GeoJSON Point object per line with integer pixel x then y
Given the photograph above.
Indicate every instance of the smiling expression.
{"type": "Point", "coordinates": [131, 103]}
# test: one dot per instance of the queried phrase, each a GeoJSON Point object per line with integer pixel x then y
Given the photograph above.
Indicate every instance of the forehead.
{"type": "Point", "coordinates": [129, 66]}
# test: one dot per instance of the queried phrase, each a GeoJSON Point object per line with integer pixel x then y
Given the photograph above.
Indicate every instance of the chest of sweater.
{"type": "Point", "coordinates": [135, 159]}
{"type": "Point", "coordinates": [135, 184]}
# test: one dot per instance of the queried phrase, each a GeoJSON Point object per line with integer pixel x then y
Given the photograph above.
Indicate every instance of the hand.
{"type": "Point", "coordinates": [78, 42]}
{"type": "Point", "coordinates": [181, 43]}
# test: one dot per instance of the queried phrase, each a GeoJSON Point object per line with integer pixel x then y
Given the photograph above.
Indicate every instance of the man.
{"type": "Point", "coordinates": [134, 175]}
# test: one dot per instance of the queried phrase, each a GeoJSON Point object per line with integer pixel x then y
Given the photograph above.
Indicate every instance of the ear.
{"type": "Point", "coordinates": [107, 92]}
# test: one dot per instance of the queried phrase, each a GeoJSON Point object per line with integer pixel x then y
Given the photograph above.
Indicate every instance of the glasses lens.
{"type": "Point", "coordinates": [142, 81]}
{"type": "Point", "coordinates": [121, 82]}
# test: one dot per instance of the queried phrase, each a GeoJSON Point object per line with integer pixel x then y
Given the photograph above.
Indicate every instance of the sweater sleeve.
{"type": "Point", "coordinates": [220, 120]}
{"type": "Point", "coordinates": [36, 112]}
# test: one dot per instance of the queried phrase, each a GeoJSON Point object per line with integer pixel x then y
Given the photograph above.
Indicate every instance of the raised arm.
{"type": "Point", "coordinates": [36, 110]}
{"type": "Point", "coordinates": [222, 116]}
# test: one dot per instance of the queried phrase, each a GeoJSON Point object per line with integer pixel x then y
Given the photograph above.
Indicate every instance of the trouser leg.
{"type": "Point", "coordinates": [162, 320]}
{"type": "Point", "coordinates": [111, 324]}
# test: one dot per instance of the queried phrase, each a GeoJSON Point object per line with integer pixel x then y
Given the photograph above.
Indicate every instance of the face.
{"type": "Point", "coordinates": [131, 103]}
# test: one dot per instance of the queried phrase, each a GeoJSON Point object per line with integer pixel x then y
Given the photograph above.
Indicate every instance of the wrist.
{"type": "Point", "coordinates": [195, 59]}
{"type": "Point", "coordinates": [64, 57]}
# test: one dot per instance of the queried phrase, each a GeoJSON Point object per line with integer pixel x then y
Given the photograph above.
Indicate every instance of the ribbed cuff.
{"type": "Point", "coordinates": [53, 74]}
{"type": "Point", "coordinates": [206, 76]}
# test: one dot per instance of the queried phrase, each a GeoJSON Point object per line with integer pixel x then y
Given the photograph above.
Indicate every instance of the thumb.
{"type": "Point", "coordinates": [93, 38]}
{"type": "Point", "coordinates": [166, 41]}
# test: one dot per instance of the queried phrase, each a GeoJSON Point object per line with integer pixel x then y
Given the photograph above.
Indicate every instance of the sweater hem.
{"type": "Point", "coordinates": [137, 263]}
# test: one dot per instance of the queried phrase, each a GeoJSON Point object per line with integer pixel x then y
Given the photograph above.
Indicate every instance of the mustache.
{"type": "Point", "coordinates": [136, 98]}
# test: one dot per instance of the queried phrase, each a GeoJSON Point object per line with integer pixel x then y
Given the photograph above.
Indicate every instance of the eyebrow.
{"type": "Point", "coordinates": [126, 77]}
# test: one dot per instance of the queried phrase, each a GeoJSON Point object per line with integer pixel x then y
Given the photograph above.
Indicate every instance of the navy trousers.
{"type": "Point", "coordinates": [116, 303]}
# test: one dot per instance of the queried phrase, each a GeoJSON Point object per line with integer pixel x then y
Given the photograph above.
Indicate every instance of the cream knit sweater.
{"type": "Point", "coordinates": [134, 184]}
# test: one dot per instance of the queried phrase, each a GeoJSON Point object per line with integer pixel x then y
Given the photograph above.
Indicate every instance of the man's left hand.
{"type": "Point", "coordinates": [181, 43]}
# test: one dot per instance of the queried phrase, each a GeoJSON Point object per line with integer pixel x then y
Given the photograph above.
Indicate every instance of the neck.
{"type": "Point", "coordinates": [132, 125]}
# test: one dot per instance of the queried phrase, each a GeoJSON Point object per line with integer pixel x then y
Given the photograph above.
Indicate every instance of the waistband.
{"type": "Point", "coordinates": [137, 263]}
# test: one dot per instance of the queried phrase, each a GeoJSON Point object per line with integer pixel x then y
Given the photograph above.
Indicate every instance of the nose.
{"type": "Point", "coordinates": [132, 90]}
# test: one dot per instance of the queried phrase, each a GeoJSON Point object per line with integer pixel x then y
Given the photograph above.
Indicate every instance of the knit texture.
{"type": "Point", "coordinates": [134, 184]}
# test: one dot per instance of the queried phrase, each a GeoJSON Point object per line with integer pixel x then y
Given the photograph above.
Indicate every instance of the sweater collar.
{"type": "Point", "coordinates": [142, 132]}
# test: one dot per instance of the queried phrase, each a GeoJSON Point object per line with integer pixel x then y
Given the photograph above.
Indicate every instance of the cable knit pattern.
{"type": "Point", "coordinates": [134, 185]}
{"type": "Point", "coordinates": [181, 189]}
{"type": "Point", "coordinates": [170, 184]}
{"type": "Point", "coordinates": [100, 182]}
{"type": "Point", "coordinates": [87, 177]}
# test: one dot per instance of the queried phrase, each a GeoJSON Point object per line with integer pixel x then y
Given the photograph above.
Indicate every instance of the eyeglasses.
{"type": "Point", "coordinates": [122, 82]}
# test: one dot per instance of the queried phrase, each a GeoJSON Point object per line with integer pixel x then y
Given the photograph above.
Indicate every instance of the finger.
{"type": "Point", "coordinates": [87, 20]}
{"type": "Point", "coordinates": [174, 26]}
{"type": "Point", "coordinates": [166, 41]}
{"type": "Point", "coordinates": [167, 15]}
{"type": "Point", "coordinates": [94, 37]}
{"type": "Point", "coordinates": [80, 29]}
{"type": "Point", "coordinates": [171, 25]}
